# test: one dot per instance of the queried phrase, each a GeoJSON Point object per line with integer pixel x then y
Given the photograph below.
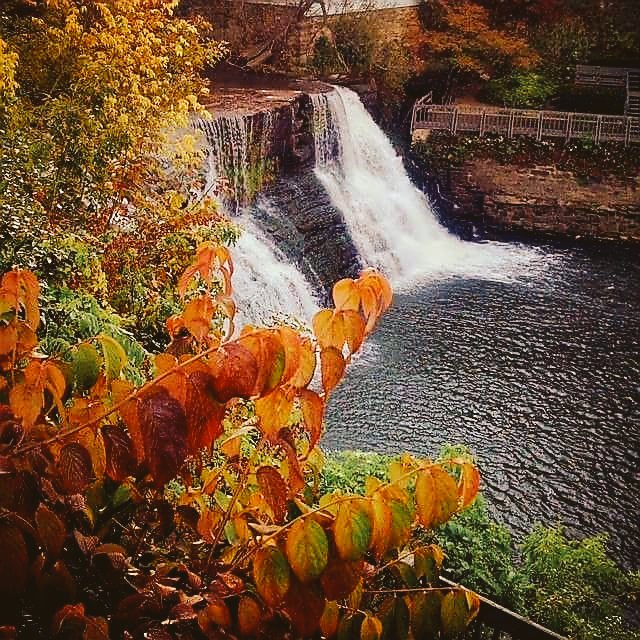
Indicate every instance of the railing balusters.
{"type": "Point", "coordinates": [538, 124]}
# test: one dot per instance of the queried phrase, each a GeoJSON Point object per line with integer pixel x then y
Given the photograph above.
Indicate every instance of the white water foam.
{"type": "Point", "coordinates": [267, 287]}
{"type": "Point", "coordinates": [392, 223]}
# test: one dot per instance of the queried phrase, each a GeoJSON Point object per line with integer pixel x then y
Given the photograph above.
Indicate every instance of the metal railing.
{"type": "Point", "coordinates": [602, 76]}
{"type": "Point", "coordinates": [501, 623]}
{"type": "Point", "coordinates": [533, 123]}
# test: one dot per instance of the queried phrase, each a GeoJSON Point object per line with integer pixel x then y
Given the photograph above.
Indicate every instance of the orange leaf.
{"type": "Point", "coordinates": [8, 339]}
{"type": "Point", "coordinates": [469, 484]}
{"type": "Point", "coordinates": [333, 365]}
{"type": "Point", "coordinates": [26, 403]}
{"type": "Point", "coordinates": [269, 353]}
{"type": "Point", "coordinates": [23, 286]}
{"type": "Point", "coordinates": [312, 407]}
{"type": "Point", "coordinates": [353, 329]}
{"type": "Point", "coordinates": [249, 616]}
{"type": "Point", "coordinates": [197, 317]}
{"type": "Point", "coordinates": [436, 496]}
{"type": "Point", "coordinates": [346, 295]}
{"type": "Point", "coordinates": [307, 365]}
{"type": "Point", "coordinates": [292, 345]}
{"type": "Point", "coordinates": [330, 619]}
{"type": "Point", "coordinates": [329, 329]}
{"type": "Point", "coordinates": [274, 411]}
{"type": "Point", "coordinates": [382, 521]}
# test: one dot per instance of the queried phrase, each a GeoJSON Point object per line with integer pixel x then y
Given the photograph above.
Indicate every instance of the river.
{"type": "Point", "coordinates": [539, 374]}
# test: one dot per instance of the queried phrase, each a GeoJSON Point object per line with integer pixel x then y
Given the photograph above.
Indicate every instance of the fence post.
{"type": "Point", "coordinates": [598, 130]}
{"type": "Point", "coordinates": [627, 133]}
{"type": "Point", "coordinates": [540, 119]}
{"type": "Point", "coordinates": [512, 117]}
{"type": "Point", "coordinates": [569, 126]}
{"type": "Point", "coordinates": [483, 118]}
{"type": "Point", "coordinates": [454, 120]}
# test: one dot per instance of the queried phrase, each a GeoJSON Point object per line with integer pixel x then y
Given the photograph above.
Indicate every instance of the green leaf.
{"type": "Point", "coordinates": [352, 529]}
{"type": "Point", "coordinates": [405, 573]}
{"type": "Point", "coordinates": [401, 520]}
{"type": "Point", "coordinates": [271, 574]}
{"type": "Point", "coordinates": [425, 614]}
{"type": "Point", "coordinates": [458, 609]}
{"type": "Point", "coordinates": [394, 614]}
{"type": "Point", "coordinates": [436, 496]}
{"type": "Point", "coordinates": [427, 562]}
{"type": "Point", "coordinates": [115, 357]}
{"type": "Point", "coordinates": [307, 549]}
{"type": "Point", "coordinates": [371, 628]}
{"type": "Point", "coordinates": [86, 366]}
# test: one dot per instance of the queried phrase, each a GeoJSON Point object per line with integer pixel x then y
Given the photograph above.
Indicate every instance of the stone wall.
{"type": "Point", "coordinates": [247, 26]}
{"type": "Point", "coordinates": [543, 200]}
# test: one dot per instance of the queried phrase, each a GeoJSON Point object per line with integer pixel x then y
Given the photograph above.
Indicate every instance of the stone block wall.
{"type": "Point", "coordinates": [247, 25]}
{"type": "Point", "coordinates": [544, 200]}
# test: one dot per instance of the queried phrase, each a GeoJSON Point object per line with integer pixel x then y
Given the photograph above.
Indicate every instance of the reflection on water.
{"type": "Point", "coordinates": [538, 374]}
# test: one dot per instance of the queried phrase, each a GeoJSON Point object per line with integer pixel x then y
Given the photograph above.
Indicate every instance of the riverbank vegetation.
{"type": "Point", "coordinates": [571, 586]}
{"type": "Point", "coordinates": [443, 151]}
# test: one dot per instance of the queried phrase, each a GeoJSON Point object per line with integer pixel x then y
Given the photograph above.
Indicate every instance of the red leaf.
{"type": "Point", "coordinates": [119, 449]}
{"type": "Point", "coordinates": [235, 372]}
{"type": "Point", "coordinates": [164, 429]}
{"type": "Point", "coordinates": [51, 530]}
{"type": "Point", "coordinates": [304, 604]}
{"type": "Point", "coordinates": [14, 560]}
{"type": "Point", "coordinates": [74, 468]}
{"type": "Point", "coordinates": [274, 490]}
{"type": "Point", "coordinates": [203, 412]}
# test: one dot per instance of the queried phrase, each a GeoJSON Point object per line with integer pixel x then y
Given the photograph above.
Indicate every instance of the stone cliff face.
{"type": "Point", "coordinates": [542, 200]}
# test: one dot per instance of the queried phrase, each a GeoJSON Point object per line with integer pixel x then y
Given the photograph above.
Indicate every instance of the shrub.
{"type": "Point", "coordinates": [520, 89]}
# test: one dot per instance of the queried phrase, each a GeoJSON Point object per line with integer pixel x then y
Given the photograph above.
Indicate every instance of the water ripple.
{"type": "Point", "coordinates": [535, 369]}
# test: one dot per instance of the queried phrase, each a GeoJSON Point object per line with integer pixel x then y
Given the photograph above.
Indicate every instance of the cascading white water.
{"type": "Point", "coordinates": [391, 222]}
{"type": "Point", "coordinates": [265, 284]}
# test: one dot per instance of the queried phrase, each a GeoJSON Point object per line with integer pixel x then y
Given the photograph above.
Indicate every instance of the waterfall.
{"type": "Point", "coordinates": [391, 221]}
{"type": "Point", "coordinates": [266, 285]}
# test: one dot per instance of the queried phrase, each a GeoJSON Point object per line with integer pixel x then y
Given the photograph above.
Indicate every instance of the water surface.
{"type": "Point", "coordinates": [538, 372]}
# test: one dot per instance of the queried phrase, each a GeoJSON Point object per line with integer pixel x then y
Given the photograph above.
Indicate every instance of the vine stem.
{"type": "Point", "coordinates": [413, 590]}
{"type": "Point", "coordinates": [234, 498]}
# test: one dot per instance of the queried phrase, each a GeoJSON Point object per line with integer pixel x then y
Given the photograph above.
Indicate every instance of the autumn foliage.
{"type": "Point", "coordinates": [188, 507]}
